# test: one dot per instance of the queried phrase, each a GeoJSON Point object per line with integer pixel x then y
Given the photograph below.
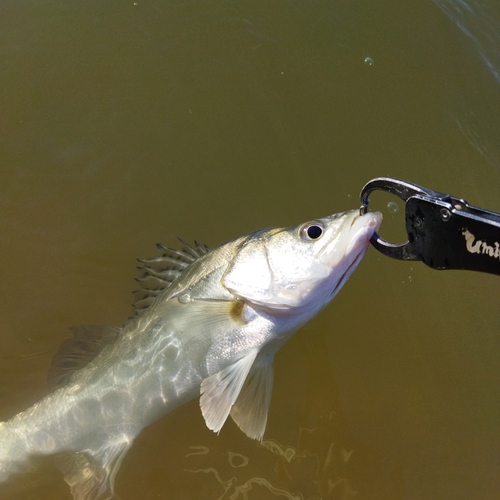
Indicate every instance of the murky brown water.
{"type": "Point", "coordinates": [124, 124]}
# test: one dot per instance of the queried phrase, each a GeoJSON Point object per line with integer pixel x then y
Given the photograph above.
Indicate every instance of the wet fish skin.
{"type": "Point", "coordinates": [212, 333]}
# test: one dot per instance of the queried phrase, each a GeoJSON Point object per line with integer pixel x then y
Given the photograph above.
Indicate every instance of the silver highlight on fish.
{"type": "Point", "coordinates": [207, 324]}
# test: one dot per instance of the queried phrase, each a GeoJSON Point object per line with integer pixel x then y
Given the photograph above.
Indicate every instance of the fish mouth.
{"type": "Point", "coordinates": [356, 235]}
{"type": "Point", "coordinates": [361, 240]}
{"type": "Point", "coordinates": [347, 273]}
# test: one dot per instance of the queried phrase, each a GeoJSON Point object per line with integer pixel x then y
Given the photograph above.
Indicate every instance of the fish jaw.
{"type": "Point", "coordinates": [284, 272]}
{"type": "Point", "coordinates": [360, 231]}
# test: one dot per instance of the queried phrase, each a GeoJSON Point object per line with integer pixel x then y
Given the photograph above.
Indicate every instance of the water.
{"type": "Point", "coordinates": [129, 123]}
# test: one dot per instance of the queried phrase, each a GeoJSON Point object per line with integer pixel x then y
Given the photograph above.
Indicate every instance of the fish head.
{"type": "Point", "coordinates": [300, 269]}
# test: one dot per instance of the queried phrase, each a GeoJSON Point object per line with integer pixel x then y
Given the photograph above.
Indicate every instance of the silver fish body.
{"type": "Point", "coordinates": [212, 332]}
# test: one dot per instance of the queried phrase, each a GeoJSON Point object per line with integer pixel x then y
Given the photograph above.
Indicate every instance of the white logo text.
{"type": "Point", "coordinates": [479, 246]}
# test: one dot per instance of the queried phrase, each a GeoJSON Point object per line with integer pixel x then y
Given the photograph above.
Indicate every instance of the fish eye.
{"type": "Point", "coordinates": [311, 231]}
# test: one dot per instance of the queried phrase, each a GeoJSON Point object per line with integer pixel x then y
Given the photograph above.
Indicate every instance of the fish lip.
{"type": "Point", "coordinates": [334, 241]}
{"type": "Point", "coordinates": [372, 225]}
{"type": "Point", "coordinates": [362, 241]}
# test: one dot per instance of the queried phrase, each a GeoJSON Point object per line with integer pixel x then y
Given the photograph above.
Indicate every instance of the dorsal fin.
{"type": "Point", "coordinates": [85, 343]}
{"type": "Point", "coordinates": [158, 273]}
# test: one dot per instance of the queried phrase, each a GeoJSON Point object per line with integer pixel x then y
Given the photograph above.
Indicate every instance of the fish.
{"type": "Point", "coordinates": [207, 324]}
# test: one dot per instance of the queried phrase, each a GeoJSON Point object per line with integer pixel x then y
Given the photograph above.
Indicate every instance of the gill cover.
{"type": "Point", "coordinates": [278, 269]}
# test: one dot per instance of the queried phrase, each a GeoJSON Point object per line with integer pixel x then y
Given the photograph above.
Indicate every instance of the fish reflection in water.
{"type": "Point", "coordinates": [301, 473]}
{"type": "Point", "coordinates": [233, 488]}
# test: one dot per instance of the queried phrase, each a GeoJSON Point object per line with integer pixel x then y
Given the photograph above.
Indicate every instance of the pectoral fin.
{"type": "Point", "coordinates": [252, 406]}
{"type": "Point", "coordinates": [220, 391]}
{"type": "Point", "coordinates": [92, 476]}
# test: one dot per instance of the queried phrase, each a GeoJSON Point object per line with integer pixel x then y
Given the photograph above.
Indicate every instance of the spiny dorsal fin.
{"type": "Point", "coordinates": [158, 273]}
{"type": "Point", "coordinates": [85, 343]}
